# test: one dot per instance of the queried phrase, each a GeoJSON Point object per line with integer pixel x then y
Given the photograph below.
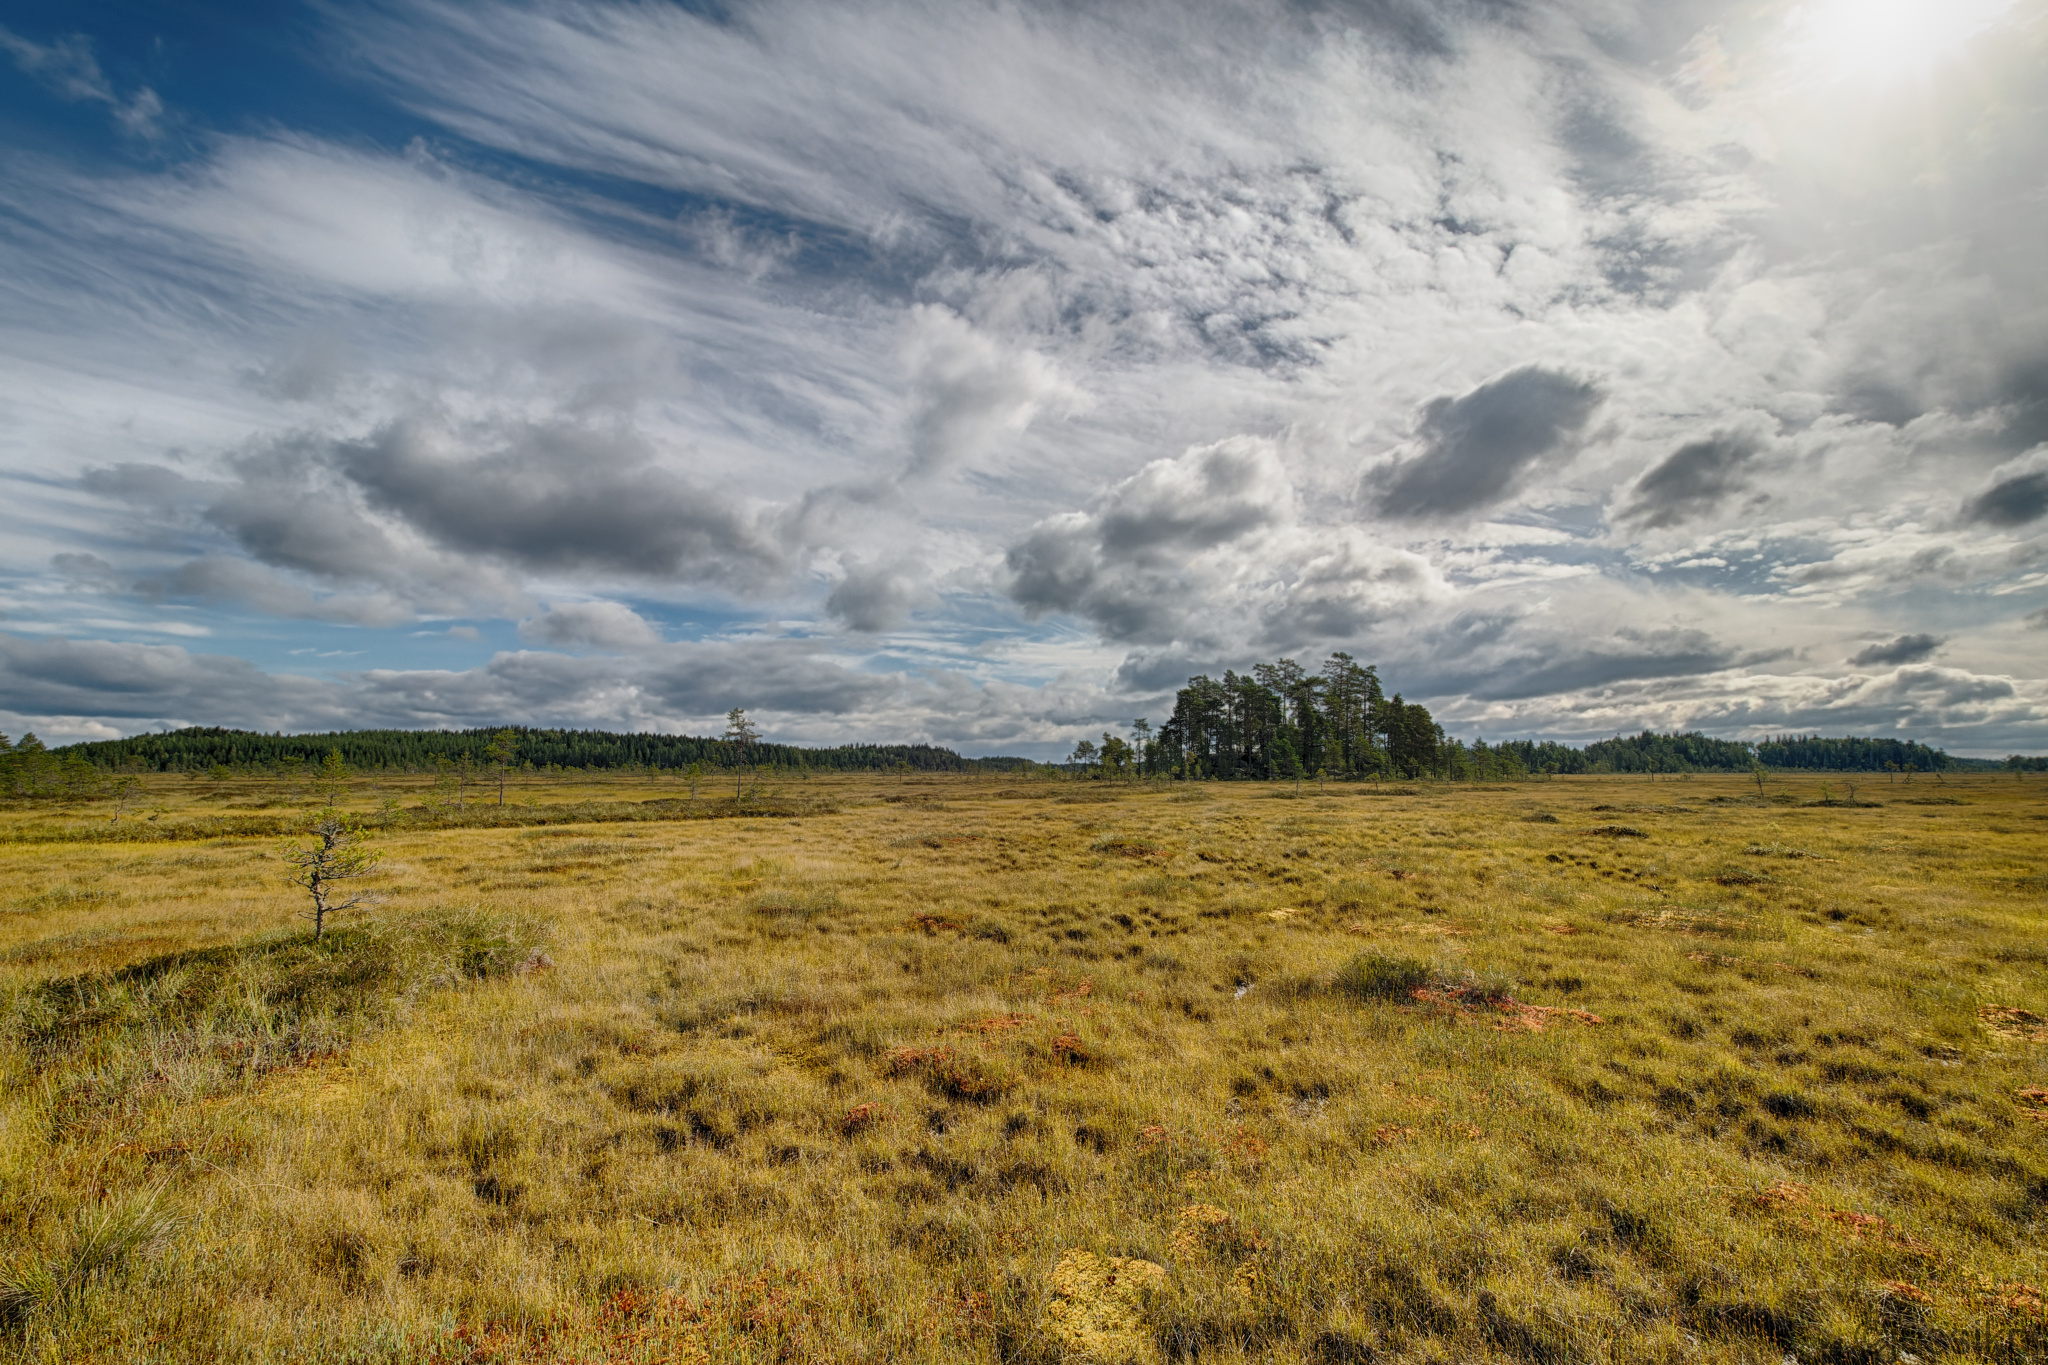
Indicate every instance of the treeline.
{"type": "Point", "coordinates": [1281, 721]}
{"type": "Point", "coordinates": [1277, 721]}
{"type": "Point", "coordinates": [1650, 752]}
{"type": "Point", "coordinates": [201, 749]}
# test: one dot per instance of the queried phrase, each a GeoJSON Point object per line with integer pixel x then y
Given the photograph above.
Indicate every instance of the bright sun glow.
{"type": "Point", "coordinates": [1888, 37]}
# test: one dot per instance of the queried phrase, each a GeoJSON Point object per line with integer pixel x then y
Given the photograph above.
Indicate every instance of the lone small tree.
{"type": "Point", "coordinates": [504, 744]}
{"type": "Point", "coordinates": [338, 857]}
{"type": "Point", "coordinates": [334, 777]}
{"type": "Point", "coordinates": [740, 730]}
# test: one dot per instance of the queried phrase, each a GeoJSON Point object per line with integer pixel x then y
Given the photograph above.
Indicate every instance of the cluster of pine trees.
{"type": "Point", "coordinates": [28, 769]}
{"type": "Point", "coordinates": [1281, 721]}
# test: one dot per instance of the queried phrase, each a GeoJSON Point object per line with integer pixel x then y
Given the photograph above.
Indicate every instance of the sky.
{"type": "Point", "coordinates": [976, 373]}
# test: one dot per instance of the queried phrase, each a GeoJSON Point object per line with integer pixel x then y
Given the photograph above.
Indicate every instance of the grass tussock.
{"type": "Point", "coordinates": [1200, 1077]}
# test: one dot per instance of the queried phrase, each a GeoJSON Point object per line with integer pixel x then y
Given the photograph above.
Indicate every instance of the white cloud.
{"type": "Point", "coordinates": [1045, 343]}
{"type": "Point", "coordinates": [601, 625]}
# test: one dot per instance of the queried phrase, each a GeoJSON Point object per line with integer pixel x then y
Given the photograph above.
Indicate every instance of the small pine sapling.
{"type": "Point", "coordinates": [740, 732]}
{"type": "Point", "coordinates": [334, 777]}
{"type": "Point", "coordinates": [504, 745]}
{"type": "Point", "coordinates": [339, 857]}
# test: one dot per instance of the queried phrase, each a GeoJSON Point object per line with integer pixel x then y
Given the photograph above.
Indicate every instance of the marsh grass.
{"type": "Point", "coordinates": [1064, 1073]}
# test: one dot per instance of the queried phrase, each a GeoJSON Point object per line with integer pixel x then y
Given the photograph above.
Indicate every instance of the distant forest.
{"type": "Point", "coordinates": [1280, 720]}
{"type": "Point", "coordinates": [422, 750]}
{"type": "Point", "coordinates": [1277, 721]}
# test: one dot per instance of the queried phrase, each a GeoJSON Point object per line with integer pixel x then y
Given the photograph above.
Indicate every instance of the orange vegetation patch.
{"type": "Point", "coordinates": [1069, 1048]}
{"type": "Point", "coordinates": [1786, 1194]}
{"type": "Point", "coordinates": [2010, 1297]}
{"type": "Point", "coordinates": [1791, 1197]}
{"type": "Point", "coordinates": [862, 1117]}
{"type": "Point", "coordinates": [1907, 1291]}
{"type": "Point", "coordinates": [946, 1072]}
{"type": "Point", "coordinates": [1387, 1134]}
{"type": "Point", "coordinates": [1535, 1018]}
{"type": "Point", "coordinates": [2014, 1025]}
{"type": "Point", "coordinates": [2033, 1102]}
{"type": "Point", "coordinates": [1562, 928]}
{"type": "Point", "coordinates": [995, 1023]}
{"type": "Point", "coordinates": [1248, 1149]}
{"type": "Point", "coordinates": [1466, 1005]}
{"type": "Point", "coordinates": [1086, 988]}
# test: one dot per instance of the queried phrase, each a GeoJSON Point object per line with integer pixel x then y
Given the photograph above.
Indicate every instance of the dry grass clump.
{"type": "Point", "coordinates": [1077, 1073]}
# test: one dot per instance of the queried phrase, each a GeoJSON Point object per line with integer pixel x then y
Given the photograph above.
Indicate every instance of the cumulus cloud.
{"type": "Point", "coordinates": [2017, 493]}
{"type": "Point", "coordinates": [1207, 551]}
{"type": "Point", "coordinates": [223, 578]}
{"type": "Point", "coordinates": [1692, 480]}
{"type": "Point", "coordinates": [558, 496]}
{"type": "Point", "coordinates": [600, 625]}
{"type": "Point", "coordinates": [425, 506]}
{"type": "Point", "coordinates": [1127, 563]}
{"type": "Point", "coordinates": [967, 389]}
{"type": "Point", "coordinates": [878, 595]}
{"type": "Point", "coordinates": [1475, 447]}
{"type": "Point", "coordinates": [140, 684]}
{"type": "Point", "coordinates": [1905, 649]}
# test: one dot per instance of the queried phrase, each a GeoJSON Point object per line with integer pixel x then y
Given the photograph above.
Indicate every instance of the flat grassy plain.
{"type": "Point", "coordinates": [978, 1069]}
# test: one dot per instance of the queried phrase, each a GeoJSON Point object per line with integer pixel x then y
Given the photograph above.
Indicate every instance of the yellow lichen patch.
{"type": "Point", "coordinates": [1205, 1229]}
{"type": "Point", "coordinates": [1097, 1310]}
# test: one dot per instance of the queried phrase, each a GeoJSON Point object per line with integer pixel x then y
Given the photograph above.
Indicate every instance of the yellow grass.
{"type": "Point", "coordinates": [983, 1069]}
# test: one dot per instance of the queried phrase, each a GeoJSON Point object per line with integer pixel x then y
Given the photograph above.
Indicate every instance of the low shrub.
{"type": "Point", "coordinates": [1371, 976]}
